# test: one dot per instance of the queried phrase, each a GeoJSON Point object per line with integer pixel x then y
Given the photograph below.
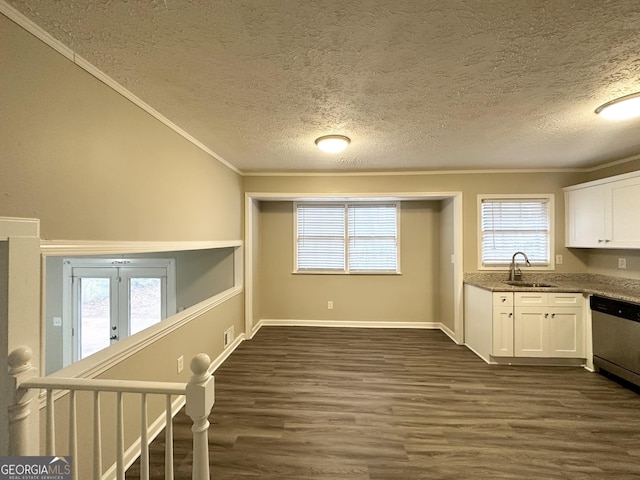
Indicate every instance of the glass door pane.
{"type": "Point", "coordinates": [94, 314]}
{"type": "Point", "coordinates": [145, 303]}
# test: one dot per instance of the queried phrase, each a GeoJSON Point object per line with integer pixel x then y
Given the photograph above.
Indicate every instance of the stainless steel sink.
{"type": "Point", "coordinates": [517, 283]}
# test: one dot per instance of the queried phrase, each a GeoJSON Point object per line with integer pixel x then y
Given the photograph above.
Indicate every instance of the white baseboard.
{"type": "Point", "coordinates": [478, 354]}
{"type": "Point", "coordinates": [271, 322]}
{"type": "Point", "coordinates": [449, 333]}
{"type": "Point", "coordinates": [225, 354]}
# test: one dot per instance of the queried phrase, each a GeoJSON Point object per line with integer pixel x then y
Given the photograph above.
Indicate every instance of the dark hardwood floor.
{"type": "Point", "coordinates": [359, 404]}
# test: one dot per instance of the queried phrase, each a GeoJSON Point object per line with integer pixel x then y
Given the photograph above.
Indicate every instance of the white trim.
{"type": "Point", "coordinates": [612, 163]}
{"type": "Point", "coordinates": [411, 173]}
{"type": "Point", "coordinates": [103, 360]}
{"type": "Point", "coordinates": [486, 360]}
{"type": "Point", "coordinates": [31, 27]}
{"type": "Point", "coordinates": [271, 322]}
{"type": "Point", "coordinates": [517, 196]}
{"type": "Point", "coordinates": [215, 364]}
{"type": "Point", "coordinates": [54, 248]}
{"type": "Point", "coordinates": [19, 227]}
{"type": "Point", "coordinates": [448, 332]}
{"type": "Point", "coordinates": [251, 211]}
{"type": "Point", "coordinates": [350, 197]}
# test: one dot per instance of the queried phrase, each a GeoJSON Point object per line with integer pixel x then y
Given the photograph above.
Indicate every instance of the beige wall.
{"type": "Point", "coordinates": [93, 166]}
{"type": "Point", "coordinates": [410, 297]}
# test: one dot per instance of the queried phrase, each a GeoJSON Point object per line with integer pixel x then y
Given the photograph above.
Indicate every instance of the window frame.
{"type": "Point", "coordinates": [346, 205]}
{"type": "Point", "coordinates": [549, 197]}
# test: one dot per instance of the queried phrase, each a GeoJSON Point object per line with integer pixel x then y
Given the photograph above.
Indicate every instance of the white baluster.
{"type": "Point", "coordinates": [144, 440]}
{"type": "Point", "coordinates": [200, 398]}
{"type": "Point", "coordinates": [51, 424]}
{"type": "Point", "coordinates": [21, 426]}
{"type": "Point", "coordinates": [73, 433]}
{"type": "Point", "coordinates": [168, 441]}
{"type": "Point", "coordinates": [119, 437]}
{"type": "Point", "coordinates": [97, 437]}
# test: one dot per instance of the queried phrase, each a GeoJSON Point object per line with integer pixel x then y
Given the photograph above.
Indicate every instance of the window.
{"type": "Point", "coordinates": [346, 237]}
{"type": "Point", "coordinates": [509, 225]}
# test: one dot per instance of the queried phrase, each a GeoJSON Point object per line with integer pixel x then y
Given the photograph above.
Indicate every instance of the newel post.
{"type": "Point", "coordinates": [200, 397]}
{"type": "Point", "coordinates": [23, 427]}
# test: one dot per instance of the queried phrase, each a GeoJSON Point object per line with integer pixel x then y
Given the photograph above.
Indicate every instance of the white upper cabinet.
{"type": "Point", "coordinates": [604, 213]}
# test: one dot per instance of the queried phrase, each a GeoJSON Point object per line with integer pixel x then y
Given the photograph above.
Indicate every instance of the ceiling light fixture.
{"type": "Point", "coordinates": [333, 143]}
{"type": "Point", "coordinates": [621, 108]}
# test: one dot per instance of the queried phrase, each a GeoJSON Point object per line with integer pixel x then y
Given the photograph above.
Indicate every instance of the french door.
{"type": "Point", "coordinates": [110, 302]}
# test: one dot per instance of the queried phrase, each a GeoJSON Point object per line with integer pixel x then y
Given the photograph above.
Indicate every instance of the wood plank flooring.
{"type": "Point", "coordinates": [365, 404]}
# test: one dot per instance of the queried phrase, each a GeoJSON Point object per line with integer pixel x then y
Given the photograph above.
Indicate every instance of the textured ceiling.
{"type": "Point", "coordinates": [416, 84]}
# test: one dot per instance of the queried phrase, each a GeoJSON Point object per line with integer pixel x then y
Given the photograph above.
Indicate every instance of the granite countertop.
{"type": "Point", "coordinates": [624, 289]}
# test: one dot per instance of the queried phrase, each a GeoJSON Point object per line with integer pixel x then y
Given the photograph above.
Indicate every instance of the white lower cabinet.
{"type": "Point", "coordinates": [538, 324]}
{"type": "Point", "coordinates": [553, 327]}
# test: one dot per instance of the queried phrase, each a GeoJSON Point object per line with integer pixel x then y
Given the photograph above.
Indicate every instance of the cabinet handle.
{"type": "Point", "coordinates": [510, 315]}
{"type": "Point", "coordinates": [606, 240]}
{"type": "Point", "coordinates": [553, 315]}
{"type": "Point", "coordinates": [600, 240]}
{"type": "Point", "coordinates": [546, 315]}
{"type": "Point", "coordinates": [503, 300]}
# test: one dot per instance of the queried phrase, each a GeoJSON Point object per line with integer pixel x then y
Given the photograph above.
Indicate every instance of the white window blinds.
{"type": "Point", "coordinates": [347, 237]}
{"type": "Point", "coordinates": [512, 225]}
{"type": "Point", "coordinates": [321, 237]}
{"type": "Point", "coordinates": [372, 238]}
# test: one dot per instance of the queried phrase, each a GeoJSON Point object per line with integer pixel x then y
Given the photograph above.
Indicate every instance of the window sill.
{"type": "Point", "coordinates": [328, 272]}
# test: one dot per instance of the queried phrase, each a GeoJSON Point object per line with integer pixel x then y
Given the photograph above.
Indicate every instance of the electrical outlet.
{"type": "Point", "coordinates": [330, 305]}
{"type": "Point", "coordinates": [622, 262]}
{"type": "Point", "coordinates": [558, 259]}
{"type": "Point", "coordinates": [180, 363]}
{"type": "Point", "coordinates": [57, 321]}
{"type": "Point", "coordinates": [228, 336]}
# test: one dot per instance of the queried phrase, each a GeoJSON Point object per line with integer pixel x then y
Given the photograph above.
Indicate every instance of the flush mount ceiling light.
{"type": "Point", "coordinates": [333, 143]}
{"type": "Point", "coordinates": [621, 108]}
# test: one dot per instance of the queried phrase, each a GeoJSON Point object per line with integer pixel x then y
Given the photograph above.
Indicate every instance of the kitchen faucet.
{"type": "Point", "coordinates": [515, 274]}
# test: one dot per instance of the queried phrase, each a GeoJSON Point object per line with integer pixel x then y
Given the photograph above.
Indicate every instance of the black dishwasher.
{"type": "Point", "coordinates": [616, 337]}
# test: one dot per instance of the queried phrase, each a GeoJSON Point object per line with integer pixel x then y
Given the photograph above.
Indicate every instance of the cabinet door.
{"type": "Point", "coordinates": [566, 332]}
{"type": "Point", "coordinates": [624, 226]}
{"type": "Point", "coordinates": [502, 332]}
{"type": "Point", "coordinates": [586, 216]}
{"type": "Point", "coordinates": [530, 332]}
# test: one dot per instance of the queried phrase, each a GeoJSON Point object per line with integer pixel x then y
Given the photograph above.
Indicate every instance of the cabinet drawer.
{"type": "Point", "coordinates": [504, 299]}
{"type": "Point", "coordinates": [565, 299]}
{"type": "Point", "coordinates": [530, 299]}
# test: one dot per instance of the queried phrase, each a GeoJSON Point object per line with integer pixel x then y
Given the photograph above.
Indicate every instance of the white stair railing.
{"type": "Point", "coordinates": [199, 392]}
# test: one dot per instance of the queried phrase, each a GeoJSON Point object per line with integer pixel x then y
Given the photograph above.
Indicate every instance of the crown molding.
{"type": "Point", "coordinates": [20, 19]}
